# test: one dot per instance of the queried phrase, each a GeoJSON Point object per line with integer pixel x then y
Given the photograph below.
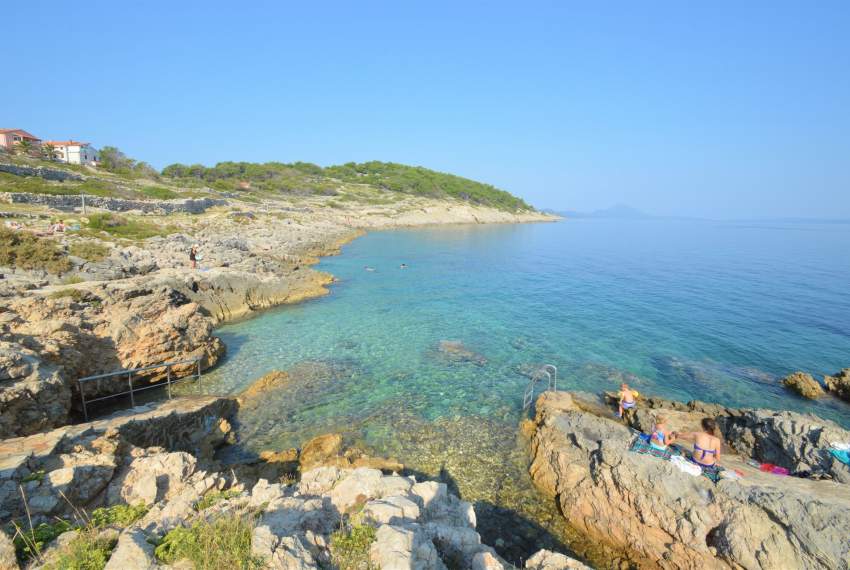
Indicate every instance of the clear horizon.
{"type": "Point", "coordinates": [721, 111]}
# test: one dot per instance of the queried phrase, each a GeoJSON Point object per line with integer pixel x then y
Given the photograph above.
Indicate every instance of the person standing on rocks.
{"type": "Point", "coordinates": [193, 256]}
{"type": "Point", "coordinates": [627, 399]}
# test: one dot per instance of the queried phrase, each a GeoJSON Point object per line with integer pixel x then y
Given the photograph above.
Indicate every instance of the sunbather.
{"type": "Point", "coordinates": [706, 444]}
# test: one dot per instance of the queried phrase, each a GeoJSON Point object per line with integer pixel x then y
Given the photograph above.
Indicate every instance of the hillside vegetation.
{"type": "Point", "coordinates": [123, 177]}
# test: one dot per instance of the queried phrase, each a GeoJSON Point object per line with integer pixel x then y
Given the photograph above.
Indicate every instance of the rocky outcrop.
{"type": "Point", "coordinates": [839, 384]}
{"type": "Point", "coordinates": [659, 516]}
{"type": "Point", "coordinates": [548, 560]}
{"type": "Point", "coordinates": [797, 442]}
{"type": "Point", "coordinates": [456, 351]}
{"type": "Point", "coordinates": [804, 384]}
{"type": "Point", "coordinates": [415, 524]}
{"type": "Point", "coordinates": [112, 457]}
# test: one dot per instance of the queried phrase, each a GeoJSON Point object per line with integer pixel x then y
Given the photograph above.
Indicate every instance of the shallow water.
{"type": "Point", "coordinates": [713, 311]}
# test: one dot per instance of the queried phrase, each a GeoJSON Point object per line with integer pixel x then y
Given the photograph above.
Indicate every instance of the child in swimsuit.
{"type": "Point", "coordinates": [627, 399]}
{"type": "Point", "coordinates": [661, 437]}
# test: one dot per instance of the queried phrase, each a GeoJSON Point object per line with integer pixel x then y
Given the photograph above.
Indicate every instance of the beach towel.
{"type": "Point", "coordinates": [641, 445]}
{"type": "Point", "coordinates": [841, 455]}
{"type": "Point", "coordinates": [685, 466]}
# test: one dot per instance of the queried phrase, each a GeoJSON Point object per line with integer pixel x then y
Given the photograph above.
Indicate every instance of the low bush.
{"type": "Point", "coordinates": [88, 250]}
{"type": "Point", "coordinates": [27, 251]}
{"type": "Point", "coordinates": [122, 227]}
{"type": "Point", "coordinates": [214, 497]}
{"type": "Point", "coordinates": [30, 543]}
{"type": "Point", "coordinates": [86, 551]}
{"type": "Point", "coordinates": [159, 193]}
{"type": "Point", "coordinates": [118, 515]}
{"type": "Point", "coordinates": [224, 542]}
{"type": "Point", "coordinates": [73, 294]}
{"type": "Point", "coordinates": [350, 547]}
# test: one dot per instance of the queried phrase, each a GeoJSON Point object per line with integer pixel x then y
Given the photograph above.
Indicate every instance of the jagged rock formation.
{"type": "Point", "coordinates": [804, 384]}
{"type": "Point", "coordinates": [659, 516]}
{"type": "Point", "coordinates": [839, 384]}
{"type": "Point", "coordinates": [163, 459]}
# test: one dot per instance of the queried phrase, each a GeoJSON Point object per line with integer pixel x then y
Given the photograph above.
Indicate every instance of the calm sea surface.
{"type": "Point", "coordinates": [706, 310]}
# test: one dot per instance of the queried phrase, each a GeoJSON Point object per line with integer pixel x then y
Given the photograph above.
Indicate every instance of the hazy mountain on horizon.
{"type": "Point", "coordinates": [615, 212]}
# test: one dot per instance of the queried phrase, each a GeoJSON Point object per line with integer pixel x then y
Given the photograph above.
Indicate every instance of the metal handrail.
{"type": "Point", "coordinates": [550, 372]}
{"type": "Point", "coordinates": [134, 390]}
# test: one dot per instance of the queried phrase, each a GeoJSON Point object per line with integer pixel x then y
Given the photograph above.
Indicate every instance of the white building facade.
{"type": "Point", "coordinates": [74, 152]}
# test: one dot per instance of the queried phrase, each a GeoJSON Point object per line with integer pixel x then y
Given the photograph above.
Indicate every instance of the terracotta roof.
{"type": "Point", "coordinates": [20, 132]}
{"type": "Point", "coordinates": [66, 143]}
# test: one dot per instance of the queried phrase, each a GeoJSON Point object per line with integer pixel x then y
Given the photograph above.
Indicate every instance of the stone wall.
{"type": "Point", "coordinates": [71, 202]}
{"type": "Point", "coordinates": [40, 171]}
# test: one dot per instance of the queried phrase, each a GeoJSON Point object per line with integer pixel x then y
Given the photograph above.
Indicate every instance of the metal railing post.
{"type": "Point", "coordinates": [168, 379]}
{"type": "Point", "coordinates": [83, 396]}
{"type": "Point", "coordinates": [130, 381]}
{"type": "Point", "coordinates": [199, 376]}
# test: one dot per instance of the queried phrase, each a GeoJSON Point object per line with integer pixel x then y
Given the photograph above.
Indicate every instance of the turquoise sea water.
{"type": "Point", "coordinates": [706, 310]}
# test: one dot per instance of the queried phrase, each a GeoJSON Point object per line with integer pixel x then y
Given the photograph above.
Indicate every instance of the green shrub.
{"type": "Point", "coordinates": [350, 548]}
{"type": "Point", "coordinates": [224, 542]}
{"type": "Point", "coordinates": [118, 515]}
{"type": "Point", "coordinates": [84, 552]}
{"type": "Point", "coordinates": [214, 497]}
{"type": "Point", "coordinates": [89, 250]}
{"type": "Point", "coordinates": [72, 280]}
{"type": "Point", "coordinates": [34, 476]}
{"type": "Point", "coordinates": [159, 193]}
{"type": "Point", "coordinates": [30, 543]}
{"type": "Point", "coordinates": [73, 294]}
{"type": "Point", "coordinates": [24, 250]}
{"type": "Point", "coordinates": [34, 185]}
{"type": "Point", "coordinates": [122, 227]}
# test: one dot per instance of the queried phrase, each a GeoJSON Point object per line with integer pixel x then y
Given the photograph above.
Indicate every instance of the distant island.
{"type": "Point", "coordinates": [616, 212]}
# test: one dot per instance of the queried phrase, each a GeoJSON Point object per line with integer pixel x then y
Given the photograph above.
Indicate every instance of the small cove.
{"type": "Point", "coordinates": [706, 310]}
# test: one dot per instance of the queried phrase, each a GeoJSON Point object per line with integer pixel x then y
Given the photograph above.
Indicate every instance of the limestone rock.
{"type": "Point", "coordinates": [152, 478]}
{"type": "Point", "coordinates": [320, 450]}
{"type": "Point", "coordinates": [839, 384]}
{"type": "Point", "coordinates": [659, 516]}
{"type": "Point", "coordinates": [132, 551]}
{"type": "Point", "coordinates": [804, 384]}
{"type": "Point", "coordinates": [486, 561]}
{"type": "Point", "coordinates": [398, 548]}
{"type": "Point", "coordinates": [456, 351]}
{"type": "Point", "coordinates": [252, 395]}
{"type": "Point", "coordinates": [548, 560]}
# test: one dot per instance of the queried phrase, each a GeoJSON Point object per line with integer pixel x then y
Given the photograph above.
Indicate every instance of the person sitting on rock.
{"type": "Point", "coordinates": [661, 437]}
{"type": "Point", "coordinates": [627, 399]}
{"type": "Point", "coordinates": [706, 444]}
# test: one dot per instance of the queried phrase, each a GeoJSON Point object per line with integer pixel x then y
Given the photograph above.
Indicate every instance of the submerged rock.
{"type": "Point", "coordinates": [253, 395]}
{"type": "Point", "coordinates": [804, 384]}
{"type": "Point", "coordinates": [456, 351]}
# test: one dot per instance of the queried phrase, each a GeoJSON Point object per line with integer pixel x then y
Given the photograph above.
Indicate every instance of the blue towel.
{"type": "Point", "coordinates": [842, 456]}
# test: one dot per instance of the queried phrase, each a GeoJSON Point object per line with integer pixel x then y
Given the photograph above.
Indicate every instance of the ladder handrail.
{"type": "Point", "coordinates": [550, 371]}
{"type": "Point", "coordinates": [133, 389]}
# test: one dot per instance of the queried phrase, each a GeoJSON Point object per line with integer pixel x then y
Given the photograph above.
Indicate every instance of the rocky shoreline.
{"type": "Point", "coordinates": [151, 477]}
{"type": "Point", "coordinates": [650, 514]}
{"type": "Point", "coordinates": [141, 305]}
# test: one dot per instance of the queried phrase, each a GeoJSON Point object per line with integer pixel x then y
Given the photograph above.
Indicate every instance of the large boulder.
{"type": "Point", "coordinates": [548, 560]}
{"type": "Point", "coordinates": [152, 478]}
{"type": "Point", "coordinates": [804, 384]}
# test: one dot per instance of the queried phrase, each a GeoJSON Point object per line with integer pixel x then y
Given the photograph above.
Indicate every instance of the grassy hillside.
{"type": "Point", "coordinates": [371, 182]}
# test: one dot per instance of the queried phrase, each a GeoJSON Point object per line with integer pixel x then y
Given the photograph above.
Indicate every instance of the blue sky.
{"type": "Point", "coordinates": [723, 109]}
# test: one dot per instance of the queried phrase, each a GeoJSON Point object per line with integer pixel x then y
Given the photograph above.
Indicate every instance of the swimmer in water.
{"type": "Point", "coordinates": [403, 266]}
{"type": "Point", "coordinates": [367, 268]}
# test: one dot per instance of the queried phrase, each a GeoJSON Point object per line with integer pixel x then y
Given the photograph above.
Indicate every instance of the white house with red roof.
{"type": "Point", "coordinates": [9, 138]}
{"type": "Point", "coordinates": [73, 152]}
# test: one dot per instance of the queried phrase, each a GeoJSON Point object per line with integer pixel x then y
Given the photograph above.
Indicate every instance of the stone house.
{"type": "Point", "coordinates": [73, 152]}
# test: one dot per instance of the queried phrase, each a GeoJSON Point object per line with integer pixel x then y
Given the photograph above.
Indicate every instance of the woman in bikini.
{"type": "Point", "coordinates": [706, 444]}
